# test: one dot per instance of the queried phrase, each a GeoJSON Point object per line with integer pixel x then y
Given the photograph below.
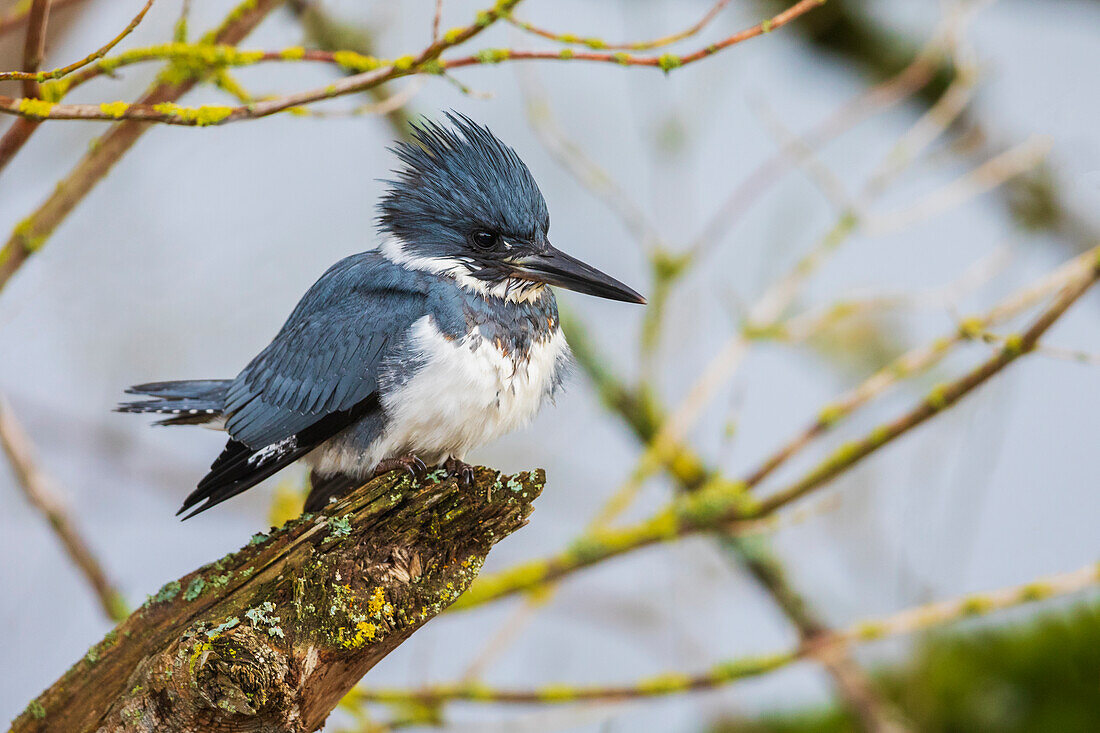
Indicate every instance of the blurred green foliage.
{"type": "Point", "coordinates": [1037, 676]}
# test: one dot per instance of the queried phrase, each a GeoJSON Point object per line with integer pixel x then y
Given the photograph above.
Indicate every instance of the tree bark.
{"type": "Point", "coordinates": [271, 637]}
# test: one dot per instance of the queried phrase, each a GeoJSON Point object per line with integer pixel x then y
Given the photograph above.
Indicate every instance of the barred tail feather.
{"type": "Point", "coordinates": [192, 402]}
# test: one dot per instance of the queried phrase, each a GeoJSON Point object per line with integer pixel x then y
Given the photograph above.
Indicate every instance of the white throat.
{"type": "Point", "coordinates": [514, 290]}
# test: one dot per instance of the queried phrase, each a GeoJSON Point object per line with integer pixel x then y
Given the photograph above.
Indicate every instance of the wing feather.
{"type": "Point", "coordinates": [327, 356]}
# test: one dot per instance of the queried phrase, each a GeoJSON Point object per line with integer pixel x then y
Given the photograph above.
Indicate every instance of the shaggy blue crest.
{"type": "Point", "coordinates": [455, 182]}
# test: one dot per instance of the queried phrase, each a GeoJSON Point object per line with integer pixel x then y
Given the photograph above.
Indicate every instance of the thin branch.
{"type": "Point", "coordinates": [41, 76]}
{"type": "Point", "coordinates": [18, 17]}
{"type": "Point", "coordinates": [911, 79]}
{"type": "Point", "coordinates": [584, 170]}
{"type": "Point", "coordinates": [33, 48]}
{"type": "Point", "coordinates": [1054, 352]}
{"type": "Point", "coordinates": [39, 492]}
{"type": "Point", "coordinates": [912, 362]}
{"type": "Point", "coordinates": [764, 314]}
{"type": "Point", "coordinates": [940, 398]}
{"type": "Point", "coordinates": [436, 19]}
{"type": "Point", "coordinates": [721, 504]}
{"type": "Point", "coordinates": [30, 234]}
{"type": "Point", "coordinates": [599, 44]}
{"type": "Point", "coordinates": [904, 622]}
{"type": "Point", "coordinates": [159, 105]}
{"type": "Point", "coordinates": [987, 176]}
{"type": "Point", "coordinates": [426, 62]}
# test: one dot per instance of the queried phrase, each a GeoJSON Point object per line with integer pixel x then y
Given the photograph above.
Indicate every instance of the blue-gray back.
{"type": "Point", "coordinates": [328, 356]}
{"type": "Point", "coordinates": [325, 358]}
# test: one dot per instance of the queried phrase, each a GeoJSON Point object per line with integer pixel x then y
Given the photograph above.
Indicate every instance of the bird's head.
{"type": "Point", "coordinates": [466, 206]}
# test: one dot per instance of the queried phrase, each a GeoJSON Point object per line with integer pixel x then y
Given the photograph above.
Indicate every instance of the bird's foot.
{"type": "Point", "coordinates": [408, 462]}
{"type": "Point", "coordinates": [460, 470]}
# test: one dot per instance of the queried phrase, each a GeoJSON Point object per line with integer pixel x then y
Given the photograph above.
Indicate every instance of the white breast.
{"type": "Point", "coordinates": [467, 392]}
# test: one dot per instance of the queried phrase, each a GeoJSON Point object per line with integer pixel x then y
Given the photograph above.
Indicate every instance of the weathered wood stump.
{"type": "Point", "coordinates": [271, 637]}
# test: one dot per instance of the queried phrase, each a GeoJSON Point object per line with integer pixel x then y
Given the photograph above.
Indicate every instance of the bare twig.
{"type": "Point", "coordinates": [37, 488]}
{"type": "Point", "coordinates": [600, 44]}
{"type": "Point", "coordinates": [985, 177]}
{"type": "Point", "coordinates": [436, 18]}
{"type": "Point", "coordinates": [19, 17]}
{"type": "Point", "coordinates": [33, 231]}
{"type": "Point", "coordinates": [721, 503]}
{"type": "Point", "coordinates": [583, 169]}
{"type": "Point", "coordinates": [880, 97]}
{"type": "Point", "coordinates": [941, 397]}
{"type": "Point", "coordinates": [903, 622]}
{"type": "Point", "coordinates": [33, 49]}
{"type": "Point", "coordinates": [913, 362]}
{"type": "Point", "coordinates": [41, 76]}
{"type": "Point", "coordinates": [427, 61]}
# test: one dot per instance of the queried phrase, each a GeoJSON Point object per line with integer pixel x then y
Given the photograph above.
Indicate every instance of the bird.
{"type": "Point", "coordinates": [409, 355]}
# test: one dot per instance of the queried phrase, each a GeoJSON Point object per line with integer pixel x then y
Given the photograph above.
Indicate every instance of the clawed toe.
{"type": "Point", "coordinates": [461, 470]}
{"type": "Point", "coordinates": [410, 463]}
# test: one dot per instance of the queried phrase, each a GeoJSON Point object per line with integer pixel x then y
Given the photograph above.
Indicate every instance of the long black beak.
{"type": "Point", "coordinates": [554, 267]}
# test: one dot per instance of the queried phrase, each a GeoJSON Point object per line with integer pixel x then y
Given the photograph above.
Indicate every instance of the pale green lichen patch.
{"type": "Point", "coordinates": [167, 592]}
{"type": "Point", "coordinates": [716, 499]}
{"type": "Point", "coordinates": [220, 581]}
{"type": "Point", "coordinates": [436, 476]}
{"type": "Point", "coordinates": [217, 630]}
{"type": "Point", "coordinates": [339, 527]}
{"type": "Point", "coordinates": [492, 55]}
{"type": "Point", "coordinates": [260, 616]}
{"type": "Point", "coordinates": [194, 589]}
{"type": "Point", "coordinates": [36, 710]}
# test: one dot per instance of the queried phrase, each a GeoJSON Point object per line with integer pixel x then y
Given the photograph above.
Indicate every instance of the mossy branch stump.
{"type": "Point", "coordinates": [271, 637]}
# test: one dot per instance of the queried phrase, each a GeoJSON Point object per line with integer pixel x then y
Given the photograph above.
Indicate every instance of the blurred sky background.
{"type": "Point", "coordinates": [186, 259]}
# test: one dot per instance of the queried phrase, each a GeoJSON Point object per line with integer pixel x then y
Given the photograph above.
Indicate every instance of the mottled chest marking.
{"type": "Point", "coordinates": [513, 328]}
{"type": "Point", "coordinates": [464, 375]}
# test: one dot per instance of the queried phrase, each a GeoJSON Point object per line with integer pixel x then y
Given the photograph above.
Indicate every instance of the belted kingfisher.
{"type": "Point", "coordinates": [409, 355]}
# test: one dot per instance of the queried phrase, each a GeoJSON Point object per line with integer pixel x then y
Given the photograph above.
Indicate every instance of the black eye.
{"type": "Point", "coordinates": [484, 239]}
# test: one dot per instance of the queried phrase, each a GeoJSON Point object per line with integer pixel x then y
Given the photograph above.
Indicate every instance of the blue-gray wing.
{"type": "Point", "coordinates": [326, 358]}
